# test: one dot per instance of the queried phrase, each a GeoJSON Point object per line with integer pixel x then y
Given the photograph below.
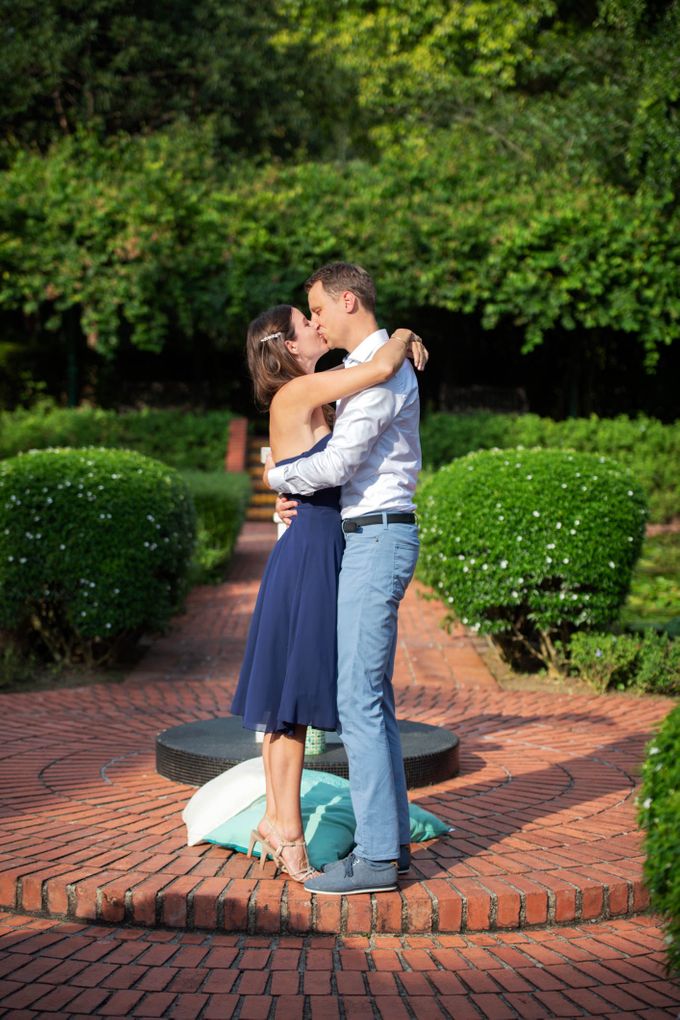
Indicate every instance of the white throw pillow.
{"type": "Point", "coordinates": [222, 798]}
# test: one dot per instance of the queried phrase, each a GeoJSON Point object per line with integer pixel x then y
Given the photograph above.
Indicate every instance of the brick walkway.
{"type": "Point", "coordinates": [608, 970]}
{"type": "Point", "coordinates": [544, 834]}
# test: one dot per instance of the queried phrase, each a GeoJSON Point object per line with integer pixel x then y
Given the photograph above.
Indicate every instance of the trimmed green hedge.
{"type": "Point", "coordinates": [659, 815]}
{"type": "Point", "coordinates": [649, 448]}
{"type": "Point", "coordinates": [220, 500]}
{"type": "Point", "coordinates": [183, 440]}
{"type": "Point", "coordinates": [95, 547]}
{"type": "Point", "coordinates": [648, 663]}
{"type": "Point", "coordinates": [531, 544]}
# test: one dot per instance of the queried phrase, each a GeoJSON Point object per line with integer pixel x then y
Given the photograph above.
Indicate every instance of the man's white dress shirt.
{"type": "Point", "coordinates": [374, 452]}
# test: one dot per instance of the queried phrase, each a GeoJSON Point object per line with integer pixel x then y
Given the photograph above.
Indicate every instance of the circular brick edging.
{"type": "Point", "coordinates": [543, 808]}
{"type": "Point", "coordinates": [543, 814]}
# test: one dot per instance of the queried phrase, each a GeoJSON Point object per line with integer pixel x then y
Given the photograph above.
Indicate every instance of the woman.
{"type": "Point", "coordinates": [288, 676]}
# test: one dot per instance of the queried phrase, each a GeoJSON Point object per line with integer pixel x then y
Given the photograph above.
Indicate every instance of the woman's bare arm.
{"type": "Point", "coordinates": [310, 391]}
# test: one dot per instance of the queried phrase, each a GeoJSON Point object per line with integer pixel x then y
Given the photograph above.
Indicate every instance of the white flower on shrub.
{"type": "Point", "coordinates": [504, 564]}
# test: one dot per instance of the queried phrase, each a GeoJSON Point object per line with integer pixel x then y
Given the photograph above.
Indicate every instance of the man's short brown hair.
{"type": "Point", "coordinates": [339, 276]}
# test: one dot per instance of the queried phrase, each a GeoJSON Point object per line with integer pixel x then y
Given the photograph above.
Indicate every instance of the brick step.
{"type": "Point", "coordinates": [262, 499]}
{"type": "Point", "coordinates": [242, 899]}
{"type": "Point", "coordinates": [260, 513]}
{"type": "Point", "coordinates": [543, 809]}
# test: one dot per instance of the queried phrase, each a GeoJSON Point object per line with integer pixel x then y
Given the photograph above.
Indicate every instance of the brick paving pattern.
{"type": "Point", "coordinates": [544, 834]}
{"type": "Point", "coordinates": [607, 969]}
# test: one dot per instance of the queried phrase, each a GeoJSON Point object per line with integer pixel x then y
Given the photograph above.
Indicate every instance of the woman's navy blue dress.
{"type": "Point", "coordinates": [289, 671]}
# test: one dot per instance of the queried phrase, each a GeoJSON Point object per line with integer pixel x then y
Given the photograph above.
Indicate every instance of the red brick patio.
{"type": "Point", "coordinates": [544, 835]}
{"type": "Point", "coordinates": [609, 970]}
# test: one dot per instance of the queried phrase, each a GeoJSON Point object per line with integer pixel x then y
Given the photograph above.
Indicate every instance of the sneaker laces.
{"type": "Point", "coordinates": [349, 865]}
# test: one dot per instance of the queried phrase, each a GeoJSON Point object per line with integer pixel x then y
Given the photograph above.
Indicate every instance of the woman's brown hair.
{"type": "Point", "coordinates": [269, 361]}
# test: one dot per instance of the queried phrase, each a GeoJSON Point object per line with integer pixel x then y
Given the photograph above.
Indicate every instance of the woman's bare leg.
{"type": "Point", "coordinates": [286, 757]}
{"type": "Point", "coordinates": [270, 809]}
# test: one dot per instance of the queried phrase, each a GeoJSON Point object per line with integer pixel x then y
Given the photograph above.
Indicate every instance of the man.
{"type": "Point", "coordinates": [374, 454]}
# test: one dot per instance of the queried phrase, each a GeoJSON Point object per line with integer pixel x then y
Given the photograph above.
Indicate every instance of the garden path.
{"type": "Point", "coordinates": [526, 909]}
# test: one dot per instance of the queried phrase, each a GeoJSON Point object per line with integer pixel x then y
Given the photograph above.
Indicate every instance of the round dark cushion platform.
{"type": "Point", "coordinates": [194, 753]}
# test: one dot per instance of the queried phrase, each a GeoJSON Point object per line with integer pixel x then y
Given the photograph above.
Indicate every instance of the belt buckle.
{"type": "Point", "coordinates": [349, 527]}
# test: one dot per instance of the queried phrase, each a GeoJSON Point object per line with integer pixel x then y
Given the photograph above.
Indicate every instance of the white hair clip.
{"type": "Point", "coordinates": [271, 336]}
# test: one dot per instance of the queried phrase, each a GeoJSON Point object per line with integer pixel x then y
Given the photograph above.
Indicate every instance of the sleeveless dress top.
{"type": "Point", "coordinates": [289, 671]}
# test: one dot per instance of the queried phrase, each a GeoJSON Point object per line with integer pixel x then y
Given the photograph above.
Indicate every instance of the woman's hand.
{"type": "Point", "coordinates": [415, 349]}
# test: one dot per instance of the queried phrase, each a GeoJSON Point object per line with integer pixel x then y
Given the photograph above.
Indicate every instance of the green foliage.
{"type": "Point", "coordinates": [531, 544]}
{"type": "Point", "coordinates": [659, 815]}
{"type": "Point", "coordinates": [220, 500]}
{"type": "Point", "coordinates": [515, 162]}
{"type": "Point", "coordinates": [16, 668]}
{"type": "Point", "coordinates": [654, 599]}
{"type": "Point", "coordinates": [649, 663]}
{"type": "Point", "coordinates": [183, 440]}
{"type": "Point", "coordinates": [604, 660]}
{"type": "Point", "coordinates": [95, 546]}
{"type": "Point", "coordinates": [113, 66]}
{"type": "Point", "coordinates": [658, 669]}
{"type": "Point", "coordinates": [648, 448]}
{"type": "Point", "coordinates": [163, 237]}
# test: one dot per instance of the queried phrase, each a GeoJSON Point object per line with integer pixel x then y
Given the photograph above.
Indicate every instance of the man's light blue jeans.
{"type": "Point", "coordinates": [377, 565]}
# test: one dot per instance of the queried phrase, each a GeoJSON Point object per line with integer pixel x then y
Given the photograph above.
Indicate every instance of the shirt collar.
{"type": "Point", "coordinates": [367, 348]}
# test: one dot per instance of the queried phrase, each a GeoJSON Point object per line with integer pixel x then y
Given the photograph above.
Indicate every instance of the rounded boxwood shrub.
{"type": "Point", "coordinates": [659, 815]}
{"type": "Point", "coordinates": [531, 544]}
{"type": "Point", "coordinates": [95, 546]}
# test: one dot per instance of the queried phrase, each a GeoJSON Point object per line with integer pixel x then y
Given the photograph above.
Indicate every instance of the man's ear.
{"type": "Point", "coordinates": [350, 301]}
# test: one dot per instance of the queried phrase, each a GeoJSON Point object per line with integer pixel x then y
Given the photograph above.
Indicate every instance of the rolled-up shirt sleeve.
{"type": "Point", "coordinates": [364, 416]}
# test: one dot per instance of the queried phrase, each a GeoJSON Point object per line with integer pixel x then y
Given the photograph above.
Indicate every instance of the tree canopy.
{"type": "Point", "coordinates": [168, 170]}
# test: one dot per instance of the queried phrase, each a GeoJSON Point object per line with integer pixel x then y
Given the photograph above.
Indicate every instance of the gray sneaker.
{"type": "Point", "coordinates": [403, 864]}
{"type": "Point", "coordinates": [355, 876]}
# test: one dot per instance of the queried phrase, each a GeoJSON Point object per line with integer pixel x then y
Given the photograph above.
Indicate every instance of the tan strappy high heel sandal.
{"type": "Point", "coordinates": [276, 853]}
{"type": "Point", "coordinates": [266, 849]}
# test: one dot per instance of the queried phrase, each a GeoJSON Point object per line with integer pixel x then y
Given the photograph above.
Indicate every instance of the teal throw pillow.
{"type": "Point", "coordinates": [327, 817]}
